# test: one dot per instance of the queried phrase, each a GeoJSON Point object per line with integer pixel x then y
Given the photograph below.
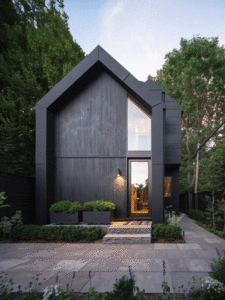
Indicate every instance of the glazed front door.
{"type": "Point", "coordinates": [139, 177]}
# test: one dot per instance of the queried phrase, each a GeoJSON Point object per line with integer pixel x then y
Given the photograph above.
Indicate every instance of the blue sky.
{"type": "Point", "coordinates": [138, 34]}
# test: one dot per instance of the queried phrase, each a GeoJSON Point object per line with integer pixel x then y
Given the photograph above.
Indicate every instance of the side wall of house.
{"type": "Point", "coordinates": [173, 148]}
{"type": "Point", "coordinates": [172, 132]}
{"type": "Point", "coordinates": [90, 145]}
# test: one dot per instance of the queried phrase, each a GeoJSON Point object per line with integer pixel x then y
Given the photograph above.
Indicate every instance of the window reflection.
{"type": "Point", "coordinates": [139, 128]}
{"type": "Point", "coordinates": [139, 187]}
{"type": "Point", "coordinates": [167, 186]}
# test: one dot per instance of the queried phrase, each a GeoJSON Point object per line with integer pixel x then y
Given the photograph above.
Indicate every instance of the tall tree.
{"type": "Point", "coordinates": [49, 55]}
{"type": "Point", "coordinates": [194, 76]}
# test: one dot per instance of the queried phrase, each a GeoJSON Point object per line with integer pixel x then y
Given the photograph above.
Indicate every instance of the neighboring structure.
{"type": "Point", "coordinates": [103, 135]}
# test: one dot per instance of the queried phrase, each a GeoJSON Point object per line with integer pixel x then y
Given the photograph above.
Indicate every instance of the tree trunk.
{"type": "Point", "coordinates": [213, 207]}
{"type": "Point", "coordinates": [188, 151]}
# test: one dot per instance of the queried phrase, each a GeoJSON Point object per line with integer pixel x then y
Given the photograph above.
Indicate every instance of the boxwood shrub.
{"type": "Point", "coordinates": [66, 206]}
{"type": "Point", "coordinates": [51, 233]}
{"type": "Point", "coordinates": [170, 232]}
{"type": "Point", "coordinates": [98, 205]}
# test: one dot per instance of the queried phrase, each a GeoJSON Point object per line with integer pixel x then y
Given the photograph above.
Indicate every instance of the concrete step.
{"type": "Point", "coordinates": [130, 228]}
{"type": "Point", "coordinates": [127, 239]}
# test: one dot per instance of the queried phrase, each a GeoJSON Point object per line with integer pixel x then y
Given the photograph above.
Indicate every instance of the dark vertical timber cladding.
{"type": "Point", "coordinates": [90, 143]}
{"type": "Point", "coordinates": [173, 132]}
{"type": "Point", "coordinates": [44, 164]}
{"type": "Point", "coordinates": [50, 162]}
{"type": "Point", "coordinates": [94, 179]}
{"type": "Point", "coordinates": [157, 164]}
{"type": "Point", "coordinates": [173, 147]}
{"type": "Point", "coordinates": [41, 161]}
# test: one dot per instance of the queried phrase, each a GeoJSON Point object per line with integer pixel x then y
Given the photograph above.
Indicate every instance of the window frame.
{"type": "Point", "coordinates": [138, 153]}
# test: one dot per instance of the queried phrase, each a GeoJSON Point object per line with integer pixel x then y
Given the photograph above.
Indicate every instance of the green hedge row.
{"type": "Point", "coordinates": [169, 232]}
{"type": "Point", "coordinates": [51, 233]}
{"type": "Point", "coordinates": [200, 218]}
{"type": "Point", "coordinates": [71, 207]}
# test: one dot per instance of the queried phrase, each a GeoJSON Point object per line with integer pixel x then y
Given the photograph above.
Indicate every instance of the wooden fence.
{"type": "Point", "coordinates": [195, 201]}
{"type": "Point", "coordinates": [20, 191]}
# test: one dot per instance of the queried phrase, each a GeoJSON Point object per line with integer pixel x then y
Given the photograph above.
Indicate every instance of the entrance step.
{"type": "Point", "coordinates": [128, 233]}
{"type": "Point", "coordinates": [127, 239]}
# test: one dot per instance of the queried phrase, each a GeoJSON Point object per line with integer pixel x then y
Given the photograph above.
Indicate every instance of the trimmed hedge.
{"type": "Point", "coordinates": [169, 232]}
{"type": "Point", "coordinates": [70, 233]}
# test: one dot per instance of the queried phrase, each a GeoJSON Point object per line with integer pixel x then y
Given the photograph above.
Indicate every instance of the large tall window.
{"type": "Point", "coordinates": [139, 128]}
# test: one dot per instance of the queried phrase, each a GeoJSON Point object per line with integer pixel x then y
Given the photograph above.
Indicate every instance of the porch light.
{"type": "Point", "coordinates": [119, 173]}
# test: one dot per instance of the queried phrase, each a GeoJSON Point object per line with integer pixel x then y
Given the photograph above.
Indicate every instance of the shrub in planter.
{"type": "Point", "coordinates": [66, 212]}
{"type": "Point", "coordinates": [98, 211]}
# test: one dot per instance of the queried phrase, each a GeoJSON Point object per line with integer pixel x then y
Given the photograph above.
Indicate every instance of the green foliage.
{"type": "Point", "coordinates": [219, 269]}
{"type": "Point", "coordinates": [6, 224]}
{"type": "Point", "coordinates": [51, 233]}
{"type": "Point", "coordinates": [40, 52]}
{"type": "Point", "coordinates": [2, 199]}
{"type": "Point", "coordinates": [197, 215]}
{"type": "Point", "coordinates": [158, 231]}
{"type": "Point", "coordinates": [194, 76]}
{"type": "Point", "coordinates": [98, 205]}
{"type": "Point", "coordinates": [124, 289]}
{"type": "Point", "coordinates": [172, 219]}
{"type": "Point", "coordinates": [70, 207]}
{"type": "Point", "coordinates": [170, 232]}
{"type": "Point", "coordinates": [66, 206]}
{"type": "Point", "coordinates": [215, 212]}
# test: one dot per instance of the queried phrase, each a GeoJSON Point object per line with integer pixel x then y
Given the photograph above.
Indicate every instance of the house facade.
{"type": "Point", "coordinates": [103, 135]}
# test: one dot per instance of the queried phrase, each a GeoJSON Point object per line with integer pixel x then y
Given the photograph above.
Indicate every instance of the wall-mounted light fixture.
{"type": "Point", "coordinates": [119, 173]}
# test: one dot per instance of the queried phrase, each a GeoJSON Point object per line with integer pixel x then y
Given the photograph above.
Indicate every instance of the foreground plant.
{"type": "Point", "coordinates": [50, 293]}
{"type": "Point", "coordinates": [211, 288]}
{"type": "Point", "coordinates": [173, 219]}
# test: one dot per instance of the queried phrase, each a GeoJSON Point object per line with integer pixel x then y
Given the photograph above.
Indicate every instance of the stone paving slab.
{"type": "Point", "coordinates": [127, 238]}
{"type": "Point", "coordinates": [144, 280]}
{"type": "Point", "coordinates": [146, 261]}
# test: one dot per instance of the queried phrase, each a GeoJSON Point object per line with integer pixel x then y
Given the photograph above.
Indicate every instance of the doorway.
{"type": "Point", "coordinates": [139, 188]}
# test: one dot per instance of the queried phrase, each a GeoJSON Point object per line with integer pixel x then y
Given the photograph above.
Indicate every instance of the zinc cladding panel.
{"type": "Point", "coordinates": [93, 124]}
{"type": "Point", "coordinates": [172, 133]}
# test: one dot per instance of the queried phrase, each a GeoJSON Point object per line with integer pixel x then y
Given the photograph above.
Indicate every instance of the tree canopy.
{"type": "Point", "coordinates": [194, 76]}
{"type": "Point", "coordinates": [40, 52]}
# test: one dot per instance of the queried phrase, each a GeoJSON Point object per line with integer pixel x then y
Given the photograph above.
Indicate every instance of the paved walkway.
{"type": "Point", "coordinates": [108, 262]}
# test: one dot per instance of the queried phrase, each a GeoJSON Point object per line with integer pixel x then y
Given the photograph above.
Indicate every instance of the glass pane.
{"type": "Point", "coordinates": [139, 128]}
{"type": "Point", "coordinates": [167, 186]}
{"type": "Point", "coordinates": [139, 187]}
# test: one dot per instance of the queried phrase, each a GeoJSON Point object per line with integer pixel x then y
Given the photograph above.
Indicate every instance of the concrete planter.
{"type": "Point", "coordinates": [65, 218]}
{"type": "Point", "coordinates": [95, 217]}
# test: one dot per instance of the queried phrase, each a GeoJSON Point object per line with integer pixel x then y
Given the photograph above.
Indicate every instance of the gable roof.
{"type": "Point", "coordinates": [93, 63]}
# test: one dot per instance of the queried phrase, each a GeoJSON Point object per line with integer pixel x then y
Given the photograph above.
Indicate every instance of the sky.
{"type": "Point", "coordinates": [138, 34]}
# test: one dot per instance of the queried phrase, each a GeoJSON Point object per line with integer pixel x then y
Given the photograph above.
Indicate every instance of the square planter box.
{"type": "Point", "coordinates": [95, 217]}
{"type": "Point", "coordinates": [64, 218]}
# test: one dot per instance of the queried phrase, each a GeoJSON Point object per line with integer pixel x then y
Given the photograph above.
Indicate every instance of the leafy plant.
{"type": "Point", "coordinates": [214, 212]}
{"type": "Point", "coordinates": [197, 215]}
{"type": "Point", "coordinates": [56, 291]}
{"type": "Point", "coordinates": [98, 205]}
{"type": "Point", "coordinates": [6, 225]}
{"type": "Point", "coordinates": [173, 219]}
{"type": "Point", "coordinates": [2, 199]}
{"type": "Point", "coordinates": [218, 268]}
{"type": "Point", "coordinates": [70, 233]}
{"type": "Point", "coordinates": [66, 206]}
{"type": "Point", "coordinates": [170, 232]}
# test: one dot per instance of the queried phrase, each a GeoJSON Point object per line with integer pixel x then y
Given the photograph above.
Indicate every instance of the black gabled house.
{"type": "Point", "coordinates": [103, 135]}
